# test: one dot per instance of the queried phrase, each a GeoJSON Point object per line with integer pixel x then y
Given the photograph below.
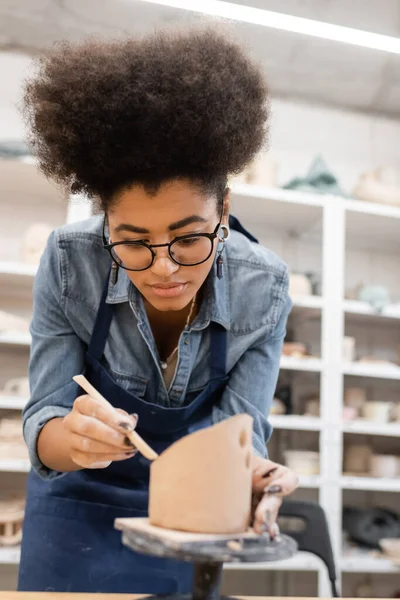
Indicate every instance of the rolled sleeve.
{"type": "Point", "coordinates": [252, 383]}
{"type": "Point", "coordinates": [57, 354]}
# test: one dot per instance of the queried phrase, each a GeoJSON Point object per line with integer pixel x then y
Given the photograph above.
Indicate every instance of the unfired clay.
{"type": "Point", "coordinates": [202, 483]}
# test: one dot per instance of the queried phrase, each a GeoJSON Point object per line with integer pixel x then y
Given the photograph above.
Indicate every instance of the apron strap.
{"type": "Point", "coordinates": [218, 344]}
{"type": "Point", "coordinates": [236, 225]}
{"type": "Point", "coordinates": [102, 325]}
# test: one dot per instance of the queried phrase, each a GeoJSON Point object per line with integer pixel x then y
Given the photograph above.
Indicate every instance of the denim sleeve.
{"type": "Point", "coordinates": [252, 383]}
{"type": "Point", "coordinates": [56, 355]}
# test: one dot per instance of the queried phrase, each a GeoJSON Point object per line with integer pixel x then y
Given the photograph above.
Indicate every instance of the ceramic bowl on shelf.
{"type": "Point", "coordinates": [355, 397]}
{"type": "Point", "coordinates": [380, 412]}
{"type": "Point", "coordinates": [357, 459]}
{"type": "Point", "coordinates": [294, 349]}
{"type": "Point", "coordinates": [385, 465]}
{"type": "Point", "coordinates": [302, 462]}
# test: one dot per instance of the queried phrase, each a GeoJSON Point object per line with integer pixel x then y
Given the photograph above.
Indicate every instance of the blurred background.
{"type": "Point", "coordinates": [325, 196]}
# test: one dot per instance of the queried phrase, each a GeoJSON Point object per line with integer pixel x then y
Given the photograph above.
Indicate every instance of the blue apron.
{"type": "Point", "coordinates": [69, 541]}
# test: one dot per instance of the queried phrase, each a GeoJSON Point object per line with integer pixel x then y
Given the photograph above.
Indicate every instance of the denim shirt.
{"type": "Point", "coordinates": [251, 302]}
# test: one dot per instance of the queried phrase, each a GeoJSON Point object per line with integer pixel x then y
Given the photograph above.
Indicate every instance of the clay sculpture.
{"type": "Point", "coordinates": [11, 518]}
{"type": "Point", "coordinates": [202, 483]}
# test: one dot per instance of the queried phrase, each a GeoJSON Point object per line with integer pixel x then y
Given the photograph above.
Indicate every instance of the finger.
{"type": "Point", "coordinates": [94, 429]}
{"type": "Point", "coordinates": [266, 515]}
{"type": "Point", "coordinates": [265, 476]}
{"type": "Point", "coordinates": [97, 461]}
{"type": "Point", "coordinates": [91, 446]}
{"type": "Point", "coordinates": [264, 467]}
{"type": "Point", "coordinates": [106, 413]}
{"type": "Point", "coordinates": [283, 484]}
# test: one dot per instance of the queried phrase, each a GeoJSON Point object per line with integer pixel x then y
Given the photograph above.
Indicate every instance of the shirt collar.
{"type": "Point", "coordinates": [215, 306]}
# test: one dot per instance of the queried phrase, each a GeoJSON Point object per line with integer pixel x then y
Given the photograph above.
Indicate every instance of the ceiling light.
{"type": "Point", "coordinates": [274, 20]}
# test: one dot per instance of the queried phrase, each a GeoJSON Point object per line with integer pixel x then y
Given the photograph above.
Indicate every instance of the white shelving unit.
{"type": "Point", "coordinates": [332, 226]}
{"type": "Point", "coordinates": [35, 200]}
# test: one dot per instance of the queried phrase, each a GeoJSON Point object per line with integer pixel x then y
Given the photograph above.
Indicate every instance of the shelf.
{"type": "Point", "coordinates": [287, 211]}
{"type": "Point", "coordinates": [301, 364]}
{"type": "Point", "coordinates": [371, 428]}
{"type": "Point", "coordinates": [10, 556]}
{"type": "Point", "coordinates": [307, 307]}
{"type": "Point", "coordinates": [372, 227]}
{"type": "Point", "coordinates": [15, 465]}
{"type": "Point", "coordinates": [372, 208]}
{"type": "Point", "coordinates": [376, 371]}
{"type": "Point", "coordinates": [12, 402]}
{"type": "Point", "coordinates": [15, 339]}
{"type": "Point", "coordinates": [367, 564]}
{"type": "Point", "coordinates": [309, 481]}
{"type": "Point", "coordinates": [363, 310]}
{"type": "Point", "coordinates": [302, 561]}
{"type": "Point", "coordinates": [295, 422]}
{"type": "Point", "coordinates": [373, 484]}
{"type": "Point", "coordinates": [17, 269]}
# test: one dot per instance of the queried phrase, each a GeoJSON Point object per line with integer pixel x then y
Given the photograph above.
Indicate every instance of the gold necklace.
{"type": "Point", "coordinates": [164, 363]}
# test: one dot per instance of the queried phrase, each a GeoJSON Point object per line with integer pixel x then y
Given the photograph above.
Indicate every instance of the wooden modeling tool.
{"type": "Point", "coordinates": [134, 437]}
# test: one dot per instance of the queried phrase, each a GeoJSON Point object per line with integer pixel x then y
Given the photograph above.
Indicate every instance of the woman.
{"type": "Point", "coordinates": [177, 323]}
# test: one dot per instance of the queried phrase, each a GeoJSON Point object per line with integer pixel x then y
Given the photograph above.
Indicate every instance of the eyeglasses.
{"type": "Point", "coordinates": [186, 250]}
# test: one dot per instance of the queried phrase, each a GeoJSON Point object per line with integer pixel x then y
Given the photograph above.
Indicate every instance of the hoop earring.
{"type": "Point", "coordinates": [226, 230]}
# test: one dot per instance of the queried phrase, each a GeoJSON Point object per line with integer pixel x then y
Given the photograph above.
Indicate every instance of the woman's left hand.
{"type": "Point", "coordinates": [271, 482]}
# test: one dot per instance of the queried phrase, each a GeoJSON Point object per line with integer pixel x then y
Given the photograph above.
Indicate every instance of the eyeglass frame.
{"type": "Point", "coordinates": [210, 236]}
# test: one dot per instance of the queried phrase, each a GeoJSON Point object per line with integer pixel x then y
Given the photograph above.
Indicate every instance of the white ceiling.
{"type": "Point", "coordinates": [296, 66]}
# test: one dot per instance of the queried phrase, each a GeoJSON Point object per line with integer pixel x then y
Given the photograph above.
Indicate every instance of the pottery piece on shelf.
{"type": "Point", "coordinates": [355, 397]}
{"type": "Point", "coordinates": [313, 407]}
{"type": "Point", "coordinates": [34, 242]}
{"type": "Point", "coordinates": [302, 462]}
{"type": "Point", "coordinates": [349, 413]}
{"type": "Point", "coordinates": [294, 349]}
{"type": "Point", "coordinates": [380, 412]}
{"type": "Point", "coordinates": [376, 295]}
{"type": "Point", "coordinates": [357, 459]}
{"type": "Point", "coordinates": [11, 518]}
{"type": "Point", "coordinates": [382, 185]}
{"type": "Point", "coordinates": [12, 443]}
{"type": "Point", "coordinates": [12, 323]}
{"type": "Point", "coordinates": [349, 345]}
{"type": "Point", "coordinates": [18, 386]}
{"type": "Point", "coordinates": [202, 483]}
{"type": "Point", "coordinates": [318, 180]}
{"type": "Point", "coordinates": [299, 285]}
{"type": "Point", "coordinates": [11, 428]}
{"type": "Point", "coordinates": [385, 465]}
{"type": "Point", "coordinates": [396, 411]}
{"type": "Point", "coordinates": [277, 407]}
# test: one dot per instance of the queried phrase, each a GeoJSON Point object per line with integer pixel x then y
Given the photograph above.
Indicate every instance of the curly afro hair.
{"type": "Point", "coordinates": [104, 115]}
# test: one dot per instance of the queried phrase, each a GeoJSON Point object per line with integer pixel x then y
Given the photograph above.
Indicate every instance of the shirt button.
{"type": "Point", "coordinates": [187, 341]}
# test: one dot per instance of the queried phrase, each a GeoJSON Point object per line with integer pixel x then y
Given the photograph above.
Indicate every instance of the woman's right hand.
{"type": "Point", "coordinates": [95, 433]}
